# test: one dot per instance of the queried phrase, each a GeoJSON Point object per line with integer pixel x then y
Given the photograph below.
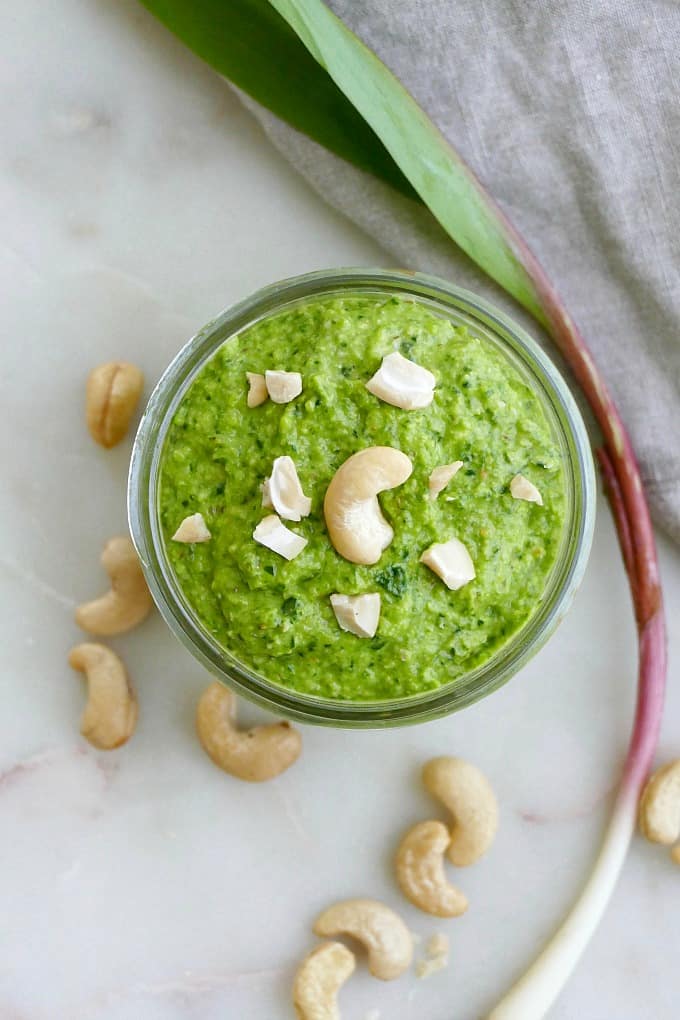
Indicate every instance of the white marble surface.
{"type": "Point", "coordinates": [137, 199]}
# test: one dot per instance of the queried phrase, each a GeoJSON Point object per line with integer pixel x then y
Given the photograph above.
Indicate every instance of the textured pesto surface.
{"type": "Point", "coordinates": [276, 616]}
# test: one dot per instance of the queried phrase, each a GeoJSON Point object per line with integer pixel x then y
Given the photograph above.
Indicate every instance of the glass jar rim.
{"type": "Point", "coordinates": [461, 307]}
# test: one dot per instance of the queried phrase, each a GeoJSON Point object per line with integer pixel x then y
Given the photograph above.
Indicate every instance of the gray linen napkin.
{"type": "Point", "coordinates": [569, 111]}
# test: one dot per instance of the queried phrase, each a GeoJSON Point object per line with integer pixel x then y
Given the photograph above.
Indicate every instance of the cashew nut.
{"type": "Point", "coordinates": [111, 395]}
{"type": "Point", "coordinates": [283, 387]}
{"type": "Point", "coordinates": [129, 600]}
{"type": "Point", "coordinates": [273, 534]}
{"type": "Point", "coordinates": [451, 562]}
{"type": "Point", "coordinates": [419, 867]}
{"type": "Point", "coordinates": [357, 614]}
{"type": "Point", "coordinates": [659, 815]}
{"type": "Point", "coordinates": [257, 389]}
{"type": "Point", "coordinates": [382, 932]}
{"type": "Point", "coordinates": [441, 476]}
{"type": "Point", "coordinates": [192, 530]}
{"type": "Point", "coordinates": [254, 755]}
{"type": "Point", "coordinates": [467, 794]}
{"type": "Point", "coordinates": [522, 488]}
{"type": "Point", "coordinates": [110, 716]}
{"type": "Point", "coordinates": [354, 519]}
{"type": "Point", "coordinates": [319, 979]}
{"type": "Point", "coordinates": [402, 383]}
{"type": "Point", "coordinates": [282, 491]}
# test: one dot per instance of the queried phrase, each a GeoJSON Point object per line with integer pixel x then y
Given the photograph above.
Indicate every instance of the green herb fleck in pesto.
{"type": "Point", "coordinates": [393, 579]}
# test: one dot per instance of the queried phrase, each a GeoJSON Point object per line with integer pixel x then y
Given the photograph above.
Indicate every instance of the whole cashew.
{"type": "Point", "coordinates": [319, 979]}
{"type": "Point", "coordinates": [659, 814]}
{"type": "Point", "coordinates": [354, 519]}
{"type": "Point", "coordinates": [110, 715]}
{"type": "Point", "coordinates": [111, 396]}
{"type": "Point", "coordinates": [468, 796]}
{"type": "Point", "coordinates": [255, 755]}
{"type": "Point", "coordinates": [129, 600]}
{"type": "Point", "coordinates": [419, 867]}
{"type": "Point", "coordinates": [383, 933]}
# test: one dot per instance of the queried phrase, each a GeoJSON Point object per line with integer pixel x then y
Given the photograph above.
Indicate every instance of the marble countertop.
{"type": "Point", "coordinates": [137, 200]}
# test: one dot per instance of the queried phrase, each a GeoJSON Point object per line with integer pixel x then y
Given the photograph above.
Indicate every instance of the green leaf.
{"type": "Point", "coordinates": [441, 178]}
{"type": "Point", "coordinates": [254, 47]}
{"type": "Point", "coordinates": [302, 63]}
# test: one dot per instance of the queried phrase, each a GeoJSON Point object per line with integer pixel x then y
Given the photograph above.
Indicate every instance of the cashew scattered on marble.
{"type": "Point", "coordinates": [381, 931]}
{"type": "Point", "coordinates": [419, 868]}
{"type": "Point", "coordinates": [255, 755]}
{"type": "Point", "coordinates": [111, 395]}
{"type": "Point", "coordinates": [319, 979]}
{"type": "Point", "coordinates": [659, 812]}
{"type": "Point", "coordinates": [468, 795]}
{"type": "Point", "coordinates": [128, 601]}
{"type": "Point", "coordinates": [110, 716]}
{"type": "Point", "coordinates": [436, 956]}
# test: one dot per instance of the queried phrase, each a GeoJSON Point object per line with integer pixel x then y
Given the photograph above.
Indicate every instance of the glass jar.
{"type": "Point", "coordinates": [461, 308]}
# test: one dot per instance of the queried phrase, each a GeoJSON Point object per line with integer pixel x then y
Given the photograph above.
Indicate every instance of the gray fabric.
{"type": "Point", "coordinates": [569, 111]}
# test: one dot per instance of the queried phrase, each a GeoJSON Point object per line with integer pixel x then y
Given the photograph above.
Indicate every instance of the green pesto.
{"type": "Point", "coordinates": [275, 616]}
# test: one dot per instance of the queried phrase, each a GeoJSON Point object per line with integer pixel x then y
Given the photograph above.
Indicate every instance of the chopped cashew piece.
{"type": "Point", "coordinates": [402, 383]}
{"type": "Point", "coordinates": [273, 534]}
{"type": "Point", "coordinates": [127, 602]}
{"type": "Point", "coordinates": [283, 386]}
{"type": "Point", "coordinates": [522, 488]}
{"type": "Point", "coordinates": [419, 867]}
{"type": "Point", "coordinates": [283, 491]}
{"type": "Point", "coordinates": [425, 968]}
{"type": "Point", "coordinates": [441, 476]}
{"type": "Point", "coordinates": [257, 389]}
{"type": "Point", "coordinates": [437, 945]}
{"type": "Point", "coordinates": [467, 794]}
{"type": "Point", "coordinates": [319, 979]}
{"type": "Point", "coordinates": [110, 715]}
{"type": "Point", "coordinates": [436, 956]}
{"type": "Point", "coordinates": [192, 529]}
{"type": "Point", "coordinates": [255, 755]}
{"type": "Point", "coordinates": [356, 526]}
{"type": "Point", "coordinates": [383, 933]}
{"type": "Point", "coordinates": [358, 614]}
{"type": "Point", "coordinates": [111, 396]}
{"type": "Point", "coordinates": [659, 816]}
{"type": "Point", "coordinates": [451, 561]}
